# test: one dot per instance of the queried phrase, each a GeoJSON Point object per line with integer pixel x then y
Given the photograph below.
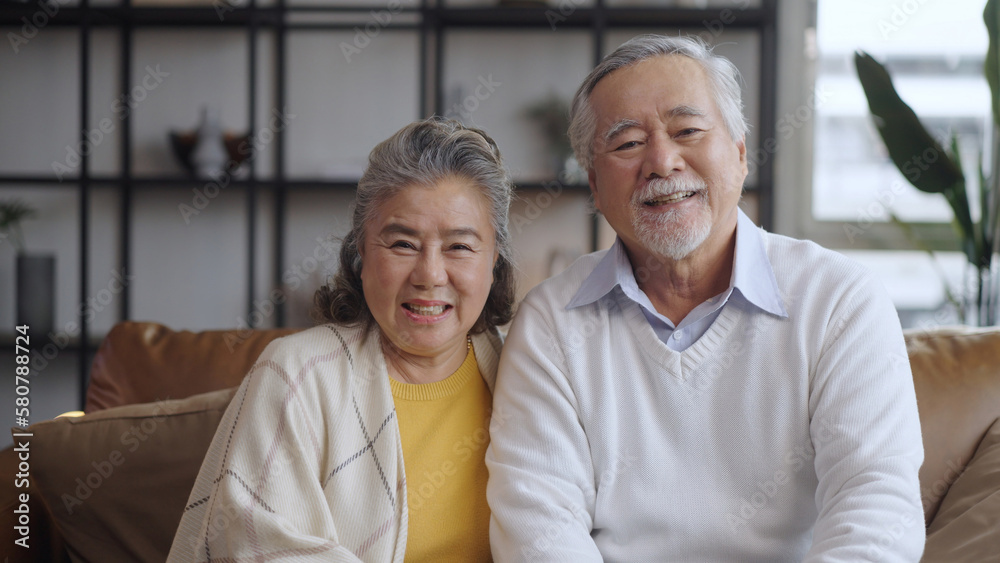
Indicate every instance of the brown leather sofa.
{"type": "Point", "coordinates": [111, 485]}
{"type": "Point", "coordinates": [154, 400]}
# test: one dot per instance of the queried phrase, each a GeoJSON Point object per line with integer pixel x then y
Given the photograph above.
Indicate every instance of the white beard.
{"type": "Point", "coordinates": [673, 234]}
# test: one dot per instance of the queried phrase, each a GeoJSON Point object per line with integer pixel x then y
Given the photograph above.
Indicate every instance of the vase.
{"type": "Point", "coordinates": [36, 285]}
{"type": "Point", "coordinates": [209, 156]}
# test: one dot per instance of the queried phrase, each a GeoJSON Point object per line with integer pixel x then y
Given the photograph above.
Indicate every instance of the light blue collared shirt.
{"type": "Point", "coordinates": [752, 281]}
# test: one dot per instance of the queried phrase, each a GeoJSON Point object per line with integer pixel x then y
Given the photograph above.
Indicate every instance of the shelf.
{"type": "Point", "coordinates": [550, 17]}
{"type": "Point", "coordinates": [281, 185]}
{"type": "Point", "coordinates": [176, 182]}
{"type": "Point", "coordinates": [117, 16]}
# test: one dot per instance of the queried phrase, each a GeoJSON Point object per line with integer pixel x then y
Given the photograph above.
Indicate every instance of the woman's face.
{"type": "Point", "coordinates": [427, 266]}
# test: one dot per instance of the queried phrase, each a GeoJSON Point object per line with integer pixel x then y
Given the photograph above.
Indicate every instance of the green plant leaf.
{"type": "Point", "coordinates": [990, 191]}
{"type": "Point", "coordinates": [959, 202]}
{"type": "Point", "coordinates": [915, 152]}
{"type": "Point", "coordinates": [990, 221]}
{"type": "Point", "coordinates": [551, 113]}
{"type": "Point", "coordinates": [958, 197]}
{"type": "Point", "coordinates": [921, 245]}
{"type": "Point", "coordinates": [985, 211]}
{"type": "Point", "coordinates": [991, 68]}
{"type": "Point", "coordinates": [13, 211]}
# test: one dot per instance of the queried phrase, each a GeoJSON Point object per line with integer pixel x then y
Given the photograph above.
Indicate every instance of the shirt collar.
{"type": "Point", "coordinates": [614, 269]}
{"type": "Point", "coordinates": [752, 273]}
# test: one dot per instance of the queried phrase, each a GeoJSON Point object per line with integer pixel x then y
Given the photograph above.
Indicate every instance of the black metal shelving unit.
{"type": "Point", "coordinates": [429, 19]}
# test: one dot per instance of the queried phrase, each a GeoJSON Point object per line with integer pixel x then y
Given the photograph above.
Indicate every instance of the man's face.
{"type": "Point", "coordinates": [666, 173]}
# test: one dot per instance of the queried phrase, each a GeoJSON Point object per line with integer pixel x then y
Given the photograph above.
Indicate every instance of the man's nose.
{"type": "Point", "coordinates": [663, 157]}
{"type": "Point", "coordinates": [430, 269]}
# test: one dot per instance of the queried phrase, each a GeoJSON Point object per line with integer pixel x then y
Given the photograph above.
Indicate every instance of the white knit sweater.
{"type": "Point", "coordinates": [307, 463]}
{"type": "Point", "coordinates": [767, 440]}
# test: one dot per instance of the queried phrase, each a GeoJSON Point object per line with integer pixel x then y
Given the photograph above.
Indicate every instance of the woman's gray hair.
{"type": "Point", "coordinates": [422, 154]}
{"type": "Point", "coordinates": [723, 75]}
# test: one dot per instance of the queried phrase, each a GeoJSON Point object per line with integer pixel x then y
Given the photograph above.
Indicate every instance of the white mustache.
{"type": "Point", "coordinates": [662, 187]}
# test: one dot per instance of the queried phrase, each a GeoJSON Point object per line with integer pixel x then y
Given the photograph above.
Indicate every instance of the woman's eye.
{"type": "Point", "coordinates": [460, 246]}
{"type": "Point", "coordinates": [401, 244]}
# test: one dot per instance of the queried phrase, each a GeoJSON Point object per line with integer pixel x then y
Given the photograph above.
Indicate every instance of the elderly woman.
{"type": "Point", "coordinates": [308, 462]}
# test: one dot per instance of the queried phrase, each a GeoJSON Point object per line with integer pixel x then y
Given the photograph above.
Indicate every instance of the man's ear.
{"type": "Point", "coordinates": [592, 180]}
{"type": "Point", "coordinates": [741, 145]}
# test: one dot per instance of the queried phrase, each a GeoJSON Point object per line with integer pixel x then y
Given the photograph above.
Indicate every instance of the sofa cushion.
{"type": "Point", "coordinates": [116, 481]}
{"type": "Point", "coordinates": [965, 528]}
{"type": "Point", "coordinates": [141, 362]}
{"type": "Point", "coordinates": [956, 373]}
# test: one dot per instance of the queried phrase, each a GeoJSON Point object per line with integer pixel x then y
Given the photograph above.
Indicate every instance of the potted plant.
{"type": "Point", "coordinates": [35, 272]}
{"type": "Point", "coordinates": [551, 115]}
{"type": "Point", "coordinates": [906, 138]}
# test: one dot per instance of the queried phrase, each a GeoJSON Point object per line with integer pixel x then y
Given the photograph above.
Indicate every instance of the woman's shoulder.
{"type": "Point", "coordinates": [317, 363]}
{"type": "Point", "coordinates": [486, 346]}
{"type": "Point", "coordinates": [320, 339]}
{"type": "Point", "coordinates": [317, 350]}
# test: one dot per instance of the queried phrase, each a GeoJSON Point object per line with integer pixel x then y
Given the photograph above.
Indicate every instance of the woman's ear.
{"type": "Point", "coordinates": [494, 271]}
{"type": "Point", "coordinates": [359, 260]}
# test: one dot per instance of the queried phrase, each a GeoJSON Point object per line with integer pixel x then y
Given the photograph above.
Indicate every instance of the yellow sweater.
{"type": "Point", "coordinates": [444, 427]}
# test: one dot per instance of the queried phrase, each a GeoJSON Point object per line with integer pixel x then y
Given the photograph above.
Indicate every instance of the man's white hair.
{"type": "Point", "coordinates": [722, 74]}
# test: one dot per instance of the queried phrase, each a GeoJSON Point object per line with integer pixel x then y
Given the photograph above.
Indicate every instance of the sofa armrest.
{"type": "Point", "coordinates": [143, 362]}
{"type": "Point", "coordinates": [116, 481]}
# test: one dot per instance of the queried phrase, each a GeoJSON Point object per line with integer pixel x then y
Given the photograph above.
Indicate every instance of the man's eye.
{"type": "Point", "coordinates": [627, 145]}
{"type": "Point", "coordinates": [689, 131]}
{"type": "Point", "coordinates": [460, 246]}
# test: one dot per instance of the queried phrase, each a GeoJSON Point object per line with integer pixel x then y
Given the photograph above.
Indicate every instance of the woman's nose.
{"type": "Point", "coordinates": [430, 269]}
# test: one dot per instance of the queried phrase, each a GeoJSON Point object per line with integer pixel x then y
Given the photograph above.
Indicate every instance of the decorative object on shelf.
{"type": "Point", "coordinates": [209, 155]}
{"type": "Point", "coordinates": [209, 152]}
{"type": "Point", "coordinates": [36, 291]}
{"type": "Point", "coordinates": [551, 113]}
{"type": "Point", "coordinates": [697, 4]}
{"type": "Point", "coordinates": [933, 169]}
{"type": "Point", "coordinates": [522, 3]}
{"type": "Point", "coordinates": [12, 212]}
{"type": "Point", "coordinates": [36, 273]}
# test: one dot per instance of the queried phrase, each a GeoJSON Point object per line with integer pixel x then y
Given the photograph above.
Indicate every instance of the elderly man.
{"type": "Point", "coordinates": [703, 390]}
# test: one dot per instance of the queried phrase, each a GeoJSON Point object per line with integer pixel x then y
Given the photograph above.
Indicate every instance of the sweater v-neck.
{"type": "Point", "coordinates": [679, 364]}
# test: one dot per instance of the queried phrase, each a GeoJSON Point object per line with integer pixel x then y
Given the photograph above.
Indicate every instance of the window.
{"type": "Point", "coordinates": [935, 52]}
{"type": "Point", "coordinates": [844, 187]}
